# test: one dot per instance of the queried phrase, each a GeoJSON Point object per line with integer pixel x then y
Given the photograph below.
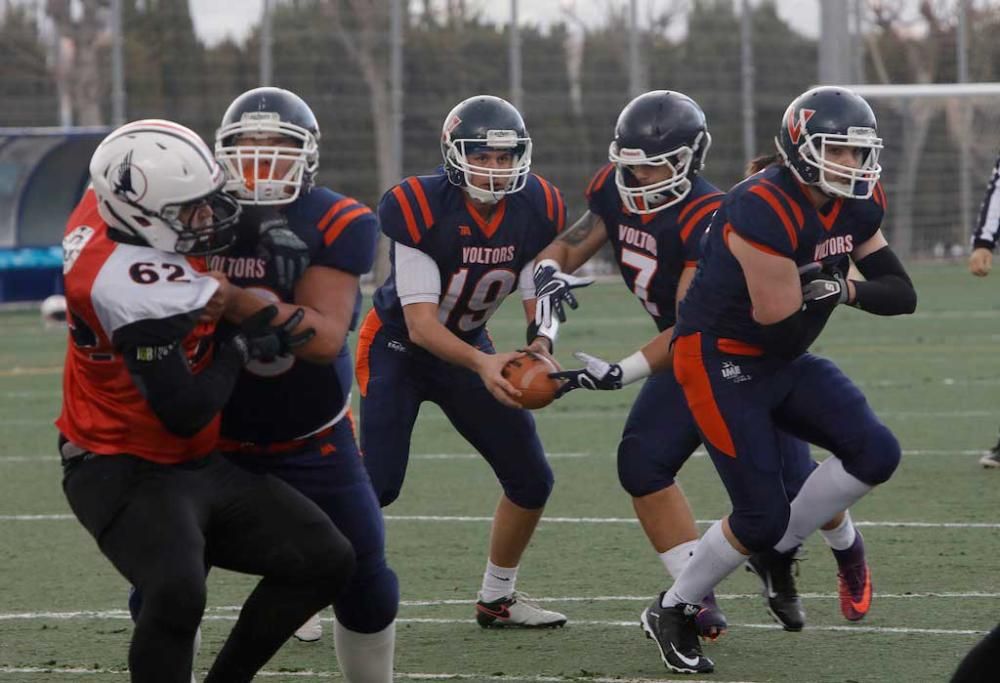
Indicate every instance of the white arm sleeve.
{"type": "Point", "coordinates": [418, 279]}
{"type": "Point", "coordinates": [526, 281]}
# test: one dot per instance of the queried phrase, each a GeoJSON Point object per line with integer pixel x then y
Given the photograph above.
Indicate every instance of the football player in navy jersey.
{"type": "Point", "coordinates": [654, 207]}
{"type": "Point", "coordinates": [774, 269]}
{"type": "Point", "coordinates": [463, 239]}
{"type": "Point", "coordinates": [289, 416]}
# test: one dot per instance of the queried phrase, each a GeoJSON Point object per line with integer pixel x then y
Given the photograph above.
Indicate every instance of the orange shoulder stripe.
{"type": "Point", "coordinates": [404, 205]}
{"type": "Point", "coordinates": [425, 207]}
{"type": "Point", "coordinates": [338, 225]}
{"type": "Point", "coordinates": [696, 218]}
{"type": "Point", "coordinates": [796, 209]}
{"type": "Point", "coordinates": [599, 179]}
{"type": "Point", "coordinates": [756, 245]}
{"type": "Point", "coordinates": [331, 212]}
{"type": "Point", "coordinates": [548, 196]}
{"type": "Point", "coordinates": [779, 210]}
{"type": "Point", "coordinates": [697, 202]}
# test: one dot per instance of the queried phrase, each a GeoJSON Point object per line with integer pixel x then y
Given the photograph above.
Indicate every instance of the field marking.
{"type": "Point", "coordinates": [618, 416]}
{"type": "Point", "coordinates": [211, 616]}
{"type": "Point", "coordinates": [21, 371]}
{"type": "Point", "coordinates": [566, 520]}
{"type": "Point", "coordinates": [700, 453]}
{"type": "Point", "coordinates": [398, 675]}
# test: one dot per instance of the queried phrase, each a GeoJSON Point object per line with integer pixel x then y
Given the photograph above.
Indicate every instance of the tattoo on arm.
{"type": "Point", "coordinates": [581, 229]}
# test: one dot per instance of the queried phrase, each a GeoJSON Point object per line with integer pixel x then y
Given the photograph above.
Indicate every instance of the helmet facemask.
{"type": "Point", "coordinates": [502, 181]}
{"type": "Point", "coordinates": [685, 162]}
{"type": "Point", "coordinates": [840, 180]}
{"type": "Point", "coordinates": [252, 170]}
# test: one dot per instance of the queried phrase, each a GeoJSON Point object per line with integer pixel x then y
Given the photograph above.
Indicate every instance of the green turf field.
{"type": "Point", "coordinates": [933, 533]}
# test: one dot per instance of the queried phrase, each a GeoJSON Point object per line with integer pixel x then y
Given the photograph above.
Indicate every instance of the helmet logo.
{"type": "Point", "coordinates": [453, 123]}
{"type": "Point", "coordinates": [126, 182]}
{"type": "Point", "coordinates": [502, 139]}
{"type": "Point", "coordinates": [795, 128]}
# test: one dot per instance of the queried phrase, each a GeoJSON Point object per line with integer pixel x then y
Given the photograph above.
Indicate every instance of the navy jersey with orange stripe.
{"type": "Point", "coordinates": [341, 233]}
{"type": "Point", "coordinates": [771, 211]}
{"type": "Point", "coordinates": [479, 260]}
{"type": "Point", "coordinates": [653, 249]}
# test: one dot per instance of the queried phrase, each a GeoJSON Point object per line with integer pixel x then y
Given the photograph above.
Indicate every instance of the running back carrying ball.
{"type": "Point", "coordinates": [529, 373]}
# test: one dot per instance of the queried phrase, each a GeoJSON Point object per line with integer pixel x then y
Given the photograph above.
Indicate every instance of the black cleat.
{"type": "Point", "coordinates": [675, 633]}
{"type": "Point", "coordinates": [780, 595]}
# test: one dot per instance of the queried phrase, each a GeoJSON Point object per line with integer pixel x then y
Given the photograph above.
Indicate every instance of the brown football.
{"type": "Point", "coordinates": [529, 373]}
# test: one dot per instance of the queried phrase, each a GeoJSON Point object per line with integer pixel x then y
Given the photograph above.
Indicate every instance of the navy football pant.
{"type": "Point", "coordinates": [660, 435]}
{"type": "Point", "coordinates": [330, 473]}
{"type": "Point", "coordinates": [160, 524]}
{"type": "Point", "coordinates": [395, 376]}
{"type": "Point", "coordinates": [741, 399]}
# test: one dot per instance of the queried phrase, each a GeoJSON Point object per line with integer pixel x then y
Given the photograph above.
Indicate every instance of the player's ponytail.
{"type": "Point", "coordinates": [758, 164]}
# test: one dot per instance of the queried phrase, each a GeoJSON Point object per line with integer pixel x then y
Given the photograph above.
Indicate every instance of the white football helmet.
{"type": "Point", "coordinates": [147, 172]}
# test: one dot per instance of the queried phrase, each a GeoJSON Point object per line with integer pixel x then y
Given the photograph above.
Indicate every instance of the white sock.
{"type": "Point", "coordinates": [677, 557]}
{"type": "Point", "coordinates": [713, 560]}
{"type": "Point", "coordinates": [365, 657]}
{"type": "Point", "coordinates": [498, 582]}
{"type": "Point", "coordinates": [827, 491]}
{"type": "Point", "coordinates": [841, 537]}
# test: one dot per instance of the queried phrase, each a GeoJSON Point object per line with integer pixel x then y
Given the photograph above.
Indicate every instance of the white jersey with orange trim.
{"type": "Point", "coordinates": [111, 285]}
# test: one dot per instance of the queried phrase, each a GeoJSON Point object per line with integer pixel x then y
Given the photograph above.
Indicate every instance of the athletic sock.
{"type": "Point", "coordinates": [713, 560]}
{"type": "Point", "coordinates": [677, 557]}
{"type": "Point", "coordinates": [841, 537]}
{"type": "Point", "coordinates": [827, 491]}
{"type": "Point", "coordinates": [498, 582]}
{"type": "Point", "coordinates": [365, 657]}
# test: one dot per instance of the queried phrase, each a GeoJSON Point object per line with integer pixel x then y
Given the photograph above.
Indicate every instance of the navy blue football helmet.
{"type": "Point", "coordinates": [827, 116]}
{"type": "Point", "coordinates": [268, 174]}
{"type": "Point", "coordinates": [659, 128]}
{"type": "Point", "coordinates": [479, 123]}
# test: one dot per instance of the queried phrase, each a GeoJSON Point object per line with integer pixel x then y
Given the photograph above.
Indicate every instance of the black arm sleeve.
{"type": "Point", "coordinates": [791, 337]}
{"type": "Point", "coordinates": [888, 289]}
{"type": "Point", "coordinates": [184, 402]}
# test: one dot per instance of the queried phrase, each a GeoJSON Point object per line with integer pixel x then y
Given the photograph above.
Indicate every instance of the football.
{"type": "Point", "coordinates": [529, 373]}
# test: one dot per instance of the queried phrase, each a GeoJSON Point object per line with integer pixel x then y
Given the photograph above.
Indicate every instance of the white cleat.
{"type": "Point", "coordinates": [516, 610]}
{"type": "Point", "coordinates": [311, 631]}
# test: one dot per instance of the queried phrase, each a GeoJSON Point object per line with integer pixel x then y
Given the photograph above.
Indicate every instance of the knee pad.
{"type": "Point", "coordinates": [637, 473]}
{"type": "Point", "coordinates": [761, 528]}
{"type": "Point", "coordinates": [532, 493]}
{"type": "Point", "coordinates": [880, 455]}
{"type": "Point", "coordinates": [370, 600]}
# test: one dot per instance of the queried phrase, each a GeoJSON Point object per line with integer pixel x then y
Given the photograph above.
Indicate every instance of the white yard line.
{"type": "Point", "coordinates": [399, 676]}
{"type": "Point", "coordinates": [569, 520]}
{"type": "Point", "coordinates": [212, 615]}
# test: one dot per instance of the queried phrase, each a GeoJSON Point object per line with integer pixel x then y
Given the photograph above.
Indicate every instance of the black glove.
{"type": "Point", "coordinates": [259, 340]}
{"type": "Point", "coordinates": [552, 288]}
{"type": "Point", "coordinates": [821, 289]}
{"type": "Point", "coordinates": [597, 375]}
{"type": "Point", "coordinates": [277, 244]}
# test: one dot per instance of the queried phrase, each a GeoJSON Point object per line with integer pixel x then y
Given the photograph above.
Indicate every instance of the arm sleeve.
{"type": "Point", "coordinates": [526, 281]}
{"type": "Point", "coordinates": [888, 289]}
{"type": "Point", "coordinates": [418, 279]}
{"type": "Point", "coordinates": [184, 402]}
{"type": "Point", "coordinates": [985, 235]}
